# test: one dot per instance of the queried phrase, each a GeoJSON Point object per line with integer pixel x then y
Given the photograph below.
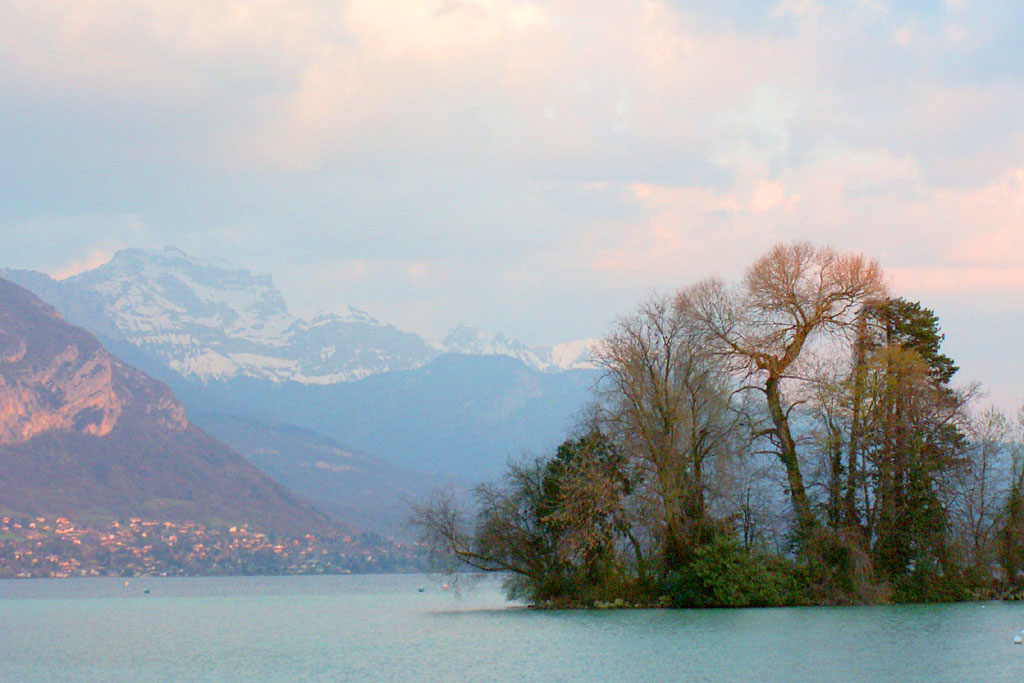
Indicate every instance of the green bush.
{"type": "Point", "coordinates": [931, 585]}
{"type": "Point", "coordinates": [724, 574]}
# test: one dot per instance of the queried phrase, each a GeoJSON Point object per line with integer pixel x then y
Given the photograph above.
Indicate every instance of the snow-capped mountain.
{"type": "Point", "coordinates": [83, 433]}
{"type": "Point", "coordinates": [224, 341]}
{"type": "Point", "coordinates": [573, 355]}
{"type": "Point", "coordinates": [207, 320]}
{"type": "Point", "coordinates": [475, 342]}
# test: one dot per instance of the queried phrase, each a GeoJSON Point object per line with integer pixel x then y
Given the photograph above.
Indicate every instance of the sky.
{"type": "Point", "coordinates": [534, 168]}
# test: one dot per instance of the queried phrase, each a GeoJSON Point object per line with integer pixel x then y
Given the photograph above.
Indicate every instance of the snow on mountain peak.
{"type": "Point", "coordinates": [209, 320]}
{"type": "Point", "coordinates": [568, 356]}
{"type": "Point", "coordinates": [352, 315]}
{"type": "Point", "coordinates": [134, 260]}
{"type": "Point", "coordinates": [355, 315]}
{"type": "Point", "coordinates": [161, 292]}
{"type": "Point", "coordinates": [576, 354]}
{"type": "Point", "coordinates": [471, 340]}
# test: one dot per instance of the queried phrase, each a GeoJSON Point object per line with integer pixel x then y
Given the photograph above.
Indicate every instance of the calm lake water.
{"type": "Point", "coordinates": [381, 628]}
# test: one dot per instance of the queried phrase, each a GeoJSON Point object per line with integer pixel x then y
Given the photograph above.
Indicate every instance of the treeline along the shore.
{"type": "Point", "coordinates": [795, 438]}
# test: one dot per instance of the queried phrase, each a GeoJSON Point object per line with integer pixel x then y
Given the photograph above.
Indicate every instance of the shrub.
{"type": "Point", "coordinates": [724, 574]}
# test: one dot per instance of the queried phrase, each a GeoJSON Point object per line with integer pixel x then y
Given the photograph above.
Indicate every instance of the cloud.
{"type": "Point", "coordinates": [691, 231]}
{"type": "Point", "coordinates": [957, 279]}
{"type": "Point", "coordinates": [806, 10]}
{"type": "Point", "coordinates": [423, 273]}
{"type": "Point", "coordinates": [93, 260]}
{"type": "Point", "coordinates": [67, 245]}
{"type": "Point", "coordinates": [440, 161]}
{"type": "Point", "coordinates": [934, 240]}
{"type": "Point", "coordinates": [769, 195]}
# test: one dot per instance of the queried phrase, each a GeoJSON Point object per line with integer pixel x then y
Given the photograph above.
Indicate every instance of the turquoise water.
{"type": "Point", "coordinates": [381, 628]}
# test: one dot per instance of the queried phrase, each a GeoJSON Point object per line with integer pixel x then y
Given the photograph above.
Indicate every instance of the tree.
{"type": "Point", "coordinates": [913, 439]}
{"type": "Point", "coordinates": [508, 532]}
{"type": "Point", "coordinates": [589, 491]}
{"type": "Point", "coordinates": [555, 526]}
{"type": "Point", "coordinates": [902, 427]}
{"type": "Point", "coordinates": [664, 400]}
{"type": "Point", "coordinates": [1011, 526]}
{"type": "Point", "coordinates": [790, 298]}
{"type": "Point", "coordinates": [983, 485]}
{"type": "Point", "coordinates": [669, 472]}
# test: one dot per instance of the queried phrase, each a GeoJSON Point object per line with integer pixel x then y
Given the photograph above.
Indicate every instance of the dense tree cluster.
{"type": "Point", "coordinates": [793, 439]}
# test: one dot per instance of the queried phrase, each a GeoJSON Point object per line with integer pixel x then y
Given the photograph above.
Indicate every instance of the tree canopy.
{"type": "Point", "coordinates": [795, 438]}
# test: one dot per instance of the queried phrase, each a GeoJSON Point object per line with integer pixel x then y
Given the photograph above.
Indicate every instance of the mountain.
{"type": "Point", "coordinates": [84, 434]}
{"type": "Point", "coordinates": [224, 341]}
{"type": "Point", "coordinates": [207, 320]}
{"type": "Point", "coordinates": [459, 415]}
{"type": "Point", "coordinates": [469, 340]}
{"type": "Point", "coordinates": [574, 355]}
{"type": "Point", "coordinates": [365, 491]}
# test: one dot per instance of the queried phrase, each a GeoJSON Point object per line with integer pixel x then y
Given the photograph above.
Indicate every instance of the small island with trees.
{"type": "Point", "coordinates": [793, 439]}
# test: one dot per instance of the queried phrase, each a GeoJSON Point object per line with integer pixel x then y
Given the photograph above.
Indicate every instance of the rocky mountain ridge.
{"type": "Point", "coordinates": [208, 321]}
{"type": "Point", "coordinates": [63, 379]}
{"type": "Point", "coordinates": [82, 433]}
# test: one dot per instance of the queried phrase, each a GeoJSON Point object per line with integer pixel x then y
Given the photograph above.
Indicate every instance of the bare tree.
{"type": "Point", "coordinates": [790, 296]}
{"type": "Point", "coordinates": [508, 533]}
{"type": "Point", "coordinates": [982, 484]}
{"type": "Point", "coordinates": [830, 408]}
{"type": "Point", "coordinates": [665, 402]}
{"type": "Point", "coordinates": [1011, 528]}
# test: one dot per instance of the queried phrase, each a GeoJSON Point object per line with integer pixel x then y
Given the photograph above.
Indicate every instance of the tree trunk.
{"type": "Point", "coordinates": [787, 455]}
{"type": "Point", "coordinates": [676, 552]}
{"type": "Point", "coordinates": [856, 421]}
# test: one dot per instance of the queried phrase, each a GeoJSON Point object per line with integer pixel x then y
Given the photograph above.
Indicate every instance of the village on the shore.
{"type": "Point", "coordinates": [37, 547]}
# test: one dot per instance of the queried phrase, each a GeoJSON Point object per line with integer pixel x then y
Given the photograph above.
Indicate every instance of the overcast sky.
{"type": "Point", "coordinates": [529, 167]}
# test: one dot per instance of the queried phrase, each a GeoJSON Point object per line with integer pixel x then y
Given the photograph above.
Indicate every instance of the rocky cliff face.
{"type": "Point", "coordinates": [55, 377]}
{"type": "Point", "coordinates": [83, 433]}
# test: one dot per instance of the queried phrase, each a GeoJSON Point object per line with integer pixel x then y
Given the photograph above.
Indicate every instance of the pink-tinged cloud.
{"type": "Point", "coordinates": [769, 195]}
{"type": "Point", "coordinates": [956, 280]}
{"type": "Point", "coordinates": [93, 260]}
{"type": "Point", "coordinates": [560, 146]}
{"type": "Point", "coordinates": [992, 221]}
{"type": "Point", "coordinates": [931, 239]}
{"type": "Point", "coordinates": [690, 229]}
{"type": "Point", "coordinates": [424, 273]}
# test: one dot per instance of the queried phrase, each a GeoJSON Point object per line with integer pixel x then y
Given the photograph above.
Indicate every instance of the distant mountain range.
{"type": "Point", "coordinates": [353, 414]}
{"type": "Point", "coordinates": [366, 492]}
{"type": "Point", "coordinates": [209, 321]}
{"type": "Point", "coordinates": [84, 434]}
{"type": "Point", "coordinates": [575, 355]}
{"type": "Point", "coordinates": [461, 416]}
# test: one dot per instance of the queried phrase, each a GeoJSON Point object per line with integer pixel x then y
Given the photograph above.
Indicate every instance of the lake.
{"type": "Point", "coordinates": [382, 628]}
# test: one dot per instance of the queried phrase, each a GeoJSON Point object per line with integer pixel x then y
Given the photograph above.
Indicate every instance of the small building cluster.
{"type": "Point", "coordinates": [60, 547]}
